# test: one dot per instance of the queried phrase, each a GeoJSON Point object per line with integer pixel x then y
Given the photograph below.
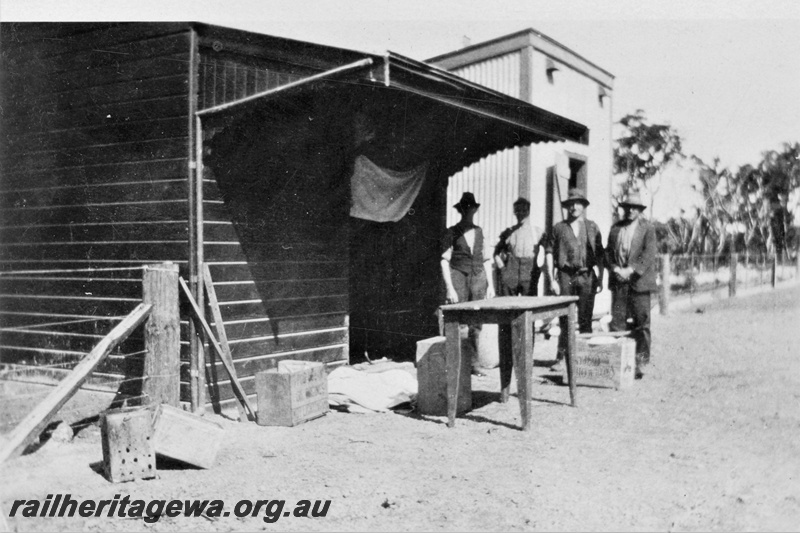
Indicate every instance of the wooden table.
{"type": "Point", "coordinates": [515, 316]}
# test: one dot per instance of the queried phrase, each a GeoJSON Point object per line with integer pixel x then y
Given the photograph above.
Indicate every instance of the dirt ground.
{"type": "Point", "coordinates": [708, 440]}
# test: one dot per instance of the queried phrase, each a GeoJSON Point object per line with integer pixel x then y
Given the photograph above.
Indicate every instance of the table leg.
{"type": "Point", "coordinates": [452, 368]}
{"type": "Point", "coordinates": [506, 359]}
{"type": "Point", "coordinates": [522, 341]}
{"type": "Point", "coordinates": [572, 322]}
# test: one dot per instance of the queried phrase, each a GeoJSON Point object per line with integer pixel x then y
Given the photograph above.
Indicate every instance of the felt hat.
{"type": "Point", "coordinates": [575, 195]}
{"type": "Point", "coordinates": [632, 200]}
{"type": "Point", "coordinates": [467, 200]}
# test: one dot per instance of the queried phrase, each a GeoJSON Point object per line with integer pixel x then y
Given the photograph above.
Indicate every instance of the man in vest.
{"type": "Point", "coordinates": [631, 258]}
{"type": "Point", "coordinates": [466, 271]}
{"type": "Point", "coordinates": [517, 252]}
{"type": "Point", "coordinates": [578, 261]}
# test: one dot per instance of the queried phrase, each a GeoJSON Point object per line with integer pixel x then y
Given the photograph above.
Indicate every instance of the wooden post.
{"type": "Point", "coordinates": [663, 293]}
{"type": "Point", "coordinates": [33, 424]}
{"type": "Point", "coordinates": [452, 368]}
{"type": "Point", "coordinates": [774, 278]}
{"type": "Point", "coordinates": [572, 325]}
{"type": "Point", "coordinates": [522, 353]}
{"type": "Point", "coordinates": [162, 335]}
{"type": "Point", "coordinates": [734, 261]}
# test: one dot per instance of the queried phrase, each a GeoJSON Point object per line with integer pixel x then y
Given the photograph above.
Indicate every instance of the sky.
{"type": "Point", "coordinates": [725, 74]}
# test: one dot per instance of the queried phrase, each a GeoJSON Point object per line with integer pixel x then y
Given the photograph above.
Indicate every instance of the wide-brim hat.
{"type": "Point", "coordinates": [575, 195]}
{"type": "Point", "coordinates": [632, 200]}
{"type": "Point", "coordinates": [467, 200]}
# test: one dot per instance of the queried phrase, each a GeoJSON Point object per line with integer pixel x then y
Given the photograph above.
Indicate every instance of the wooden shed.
{"type": "Point", "coordinates": [125, 144]}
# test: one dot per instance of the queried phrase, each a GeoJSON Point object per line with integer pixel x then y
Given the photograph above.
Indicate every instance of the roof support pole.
{"type": "Point", "coordinates": [195, 177]}
{"type": "Point", "coordinates": [316, 77]}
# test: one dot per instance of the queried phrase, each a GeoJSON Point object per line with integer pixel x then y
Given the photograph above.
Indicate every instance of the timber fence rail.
{"type": "Point", "coordinates": [685, 277]}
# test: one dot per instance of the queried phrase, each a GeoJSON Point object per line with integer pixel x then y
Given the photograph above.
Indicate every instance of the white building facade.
{"type": "Point", "coordinates": [532, 67]}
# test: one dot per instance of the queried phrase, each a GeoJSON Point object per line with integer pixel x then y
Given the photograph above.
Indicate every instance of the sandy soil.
{"type": "Point", "coordinates": [708, 440]}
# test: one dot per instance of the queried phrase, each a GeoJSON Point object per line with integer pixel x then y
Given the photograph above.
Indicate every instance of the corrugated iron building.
{"type": "Point", "coordinates": [532, 67]}
{"type": "Point", "coordinates": [120, 150]}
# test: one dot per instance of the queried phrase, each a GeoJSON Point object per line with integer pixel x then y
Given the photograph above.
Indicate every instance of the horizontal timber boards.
{"type": "Point", "coordinates": [64, 286]}
{"type": "Point", "coordinates": [259, 346]}
{"type": "Point", "coordinates": [99, 135]}
{"type": "Point", "coordinates": [81, 194]}
{"type": "Point", "coordinates": [67, 323]}
{"type": "Point", "coordinates": [129, 152]}
{"type": "Point", "coordinates": [285, 307]}
{"type": "Point", "coordinates": [112, 114]}
{"type": "Point", "coordinates": [273, 251]}
{"type": "Point", "coordinates": [66, 341]}
{"type": "Point", "coordinates": [96, 231]}
{"type": "Point", "coordinates": [51, 376]}
{"type": "Point", "coordinates": [120, 172]}
{"type": "Point", "coordinates": [111, 55]}
{"type": "Point", "coordinates": [221, 388]}
{"type": "Point", "coordinates": [263, 290]}
{"type": "Point", "coordinates": [265, 326]}
{"type": "Point", "coordinates": [277, 270]}
{"type": "Point", "coordinates": [143, 251]}
{"type": "Point", "coordinates": [129, 71]}
{"type": "Point", "coordinates": [68, 305]}
{"type": "Point", "coordinates": [66, 41]}
{"type": "Point", "coordinates": [105, 212]}
{"type": "Point", "coordinates": [218, 229]}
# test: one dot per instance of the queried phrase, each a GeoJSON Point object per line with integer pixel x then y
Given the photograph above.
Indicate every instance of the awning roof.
{"type": "Point", "coordinates": [416, 112]}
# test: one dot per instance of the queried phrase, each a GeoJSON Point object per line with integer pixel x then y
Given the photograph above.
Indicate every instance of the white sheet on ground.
{"type": "Point", "coordinates": [367, 391]}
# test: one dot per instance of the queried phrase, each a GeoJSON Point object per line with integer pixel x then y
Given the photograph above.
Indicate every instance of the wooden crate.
{"type": "Point", "coordinates": [293, 393]}
{"type": "Point", "coordinates": [127, 439]}
{"type": "Point", "coordinates": [603, 361]}
{"type": "Point", "coordinates": [186, 437]}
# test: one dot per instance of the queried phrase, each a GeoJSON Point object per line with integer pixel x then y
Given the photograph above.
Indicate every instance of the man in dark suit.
{"type": "Point", "coordinates": [631, 258]}
{"type": "Point", "coordinates": [576, 265]}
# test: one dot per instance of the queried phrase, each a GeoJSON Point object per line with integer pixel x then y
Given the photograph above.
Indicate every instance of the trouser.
{"type": "Point", "coordinates": [470, 287]}
{"type": "Point", "coordinates": [583, 286]}
{"type": "Point", "coordinates": [627, 303]}
{"type": "Point", "coordinates": [520, 277]}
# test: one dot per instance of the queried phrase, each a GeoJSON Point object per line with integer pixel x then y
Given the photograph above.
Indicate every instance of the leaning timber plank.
{"type": "Point", "coordinates": [198, 317]}
{"type": "Point", "coordinates": [37, 420]}
{"type": "Point", "coordinates": [219, 324]}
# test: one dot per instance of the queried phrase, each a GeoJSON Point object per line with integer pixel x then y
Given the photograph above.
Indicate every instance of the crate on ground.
{"type": "Point", "coordinates": [186, 437]}
{"type": "Point", "coordinates": [293, 393]}
{"type": "Point", "coordinates": [127, 440]}
{"type": "Point", "coordinates": [432, 378]}
{"type": "Point", "coordinates": [602, 360]}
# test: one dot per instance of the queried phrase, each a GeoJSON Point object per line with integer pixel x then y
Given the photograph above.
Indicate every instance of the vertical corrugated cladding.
{"type": "Point", "coordinates": [280, 281]}
{"type": "Point", "coordinates": [93, 175]}
{"type": "Point", "coordinates": [493, 179]}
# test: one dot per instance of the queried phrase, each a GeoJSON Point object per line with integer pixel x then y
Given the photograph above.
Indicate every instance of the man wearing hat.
{"type": "Point", "coordinates": [631, 258]}
{"type": "Point", "coordinates": [517, 252]}
{"type": "Point", "coordinates": [467, 272]}
{"type": "Point", "coordinates": [578, 259]}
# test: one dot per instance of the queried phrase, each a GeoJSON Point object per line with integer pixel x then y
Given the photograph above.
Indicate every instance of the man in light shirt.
{"type": "Point", "coordinates": [631, 258]}
{"type": "Point", "coordinates": [517, 253]}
